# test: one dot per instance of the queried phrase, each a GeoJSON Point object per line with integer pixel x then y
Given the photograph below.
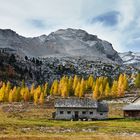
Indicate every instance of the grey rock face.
{"type": "Point", "coordinates": [131, 58]}
{"type": "Point", "coordinates": [62, 43]}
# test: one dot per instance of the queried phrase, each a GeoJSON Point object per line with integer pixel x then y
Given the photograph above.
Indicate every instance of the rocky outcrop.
{"type": "Point", "coordinates": [131, 58]}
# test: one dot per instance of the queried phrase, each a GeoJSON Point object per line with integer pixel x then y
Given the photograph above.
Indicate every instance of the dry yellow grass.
{"type": "Point", "coordinates": [32, 123]}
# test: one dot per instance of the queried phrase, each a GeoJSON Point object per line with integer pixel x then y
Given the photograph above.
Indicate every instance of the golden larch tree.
{"type": "Point", "coordinates": [90, 82]}
{"type": "Point", "coordinates": [96, 93]}
{"type": "Point", "coordinates": [70, 84]}
{"type": "Point", "coordinates": [137, 81]}
{"type": "Point", "coordinates": [77, 90]}
{"type": "Point", "coordinates": [114, 89]}
{"type": "Point", "coordinates": [41, 98]}
{"type": "Point", "coordinates": [2, 92]}
{"type": "Point", "coordinates": [120, 85]}
{"type": "Point", "coordinates": [82, 88]}
{"type": "Point", "coordinates": [75, 82]}
{"type": "Point", "coordinates": [107, 90]}
{"type": "Point", "coordinates": [54, 88]}
{"type": "Point", "coordinates": [12, 95]}
{"type": "Point", "coordinates": [7, 90]}
{"type": "Point", "coordinates": [101, 91]}
{"type": "Point", "coordinates": [64, 92]}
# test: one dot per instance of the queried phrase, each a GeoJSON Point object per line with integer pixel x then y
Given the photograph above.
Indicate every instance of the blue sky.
{"type": "Point", "coordinates": [117, 21]}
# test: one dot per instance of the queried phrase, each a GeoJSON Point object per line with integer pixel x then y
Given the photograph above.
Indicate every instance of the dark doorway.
{"type": "Point", "coordinates": [76, 116]}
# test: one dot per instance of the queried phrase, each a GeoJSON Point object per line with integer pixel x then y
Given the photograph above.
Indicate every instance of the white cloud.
{"type": "Point", "coordinates": [127, 10]}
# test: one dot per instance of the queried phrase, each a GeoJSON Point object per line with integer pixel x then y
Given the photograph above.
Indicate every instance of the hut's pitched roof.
{"type": "Point", "coordinates": [81, 103]}
{"type": "Point", "coordinates": [133, 106]}
{"type": "Point", "coordinates": [75, 103]}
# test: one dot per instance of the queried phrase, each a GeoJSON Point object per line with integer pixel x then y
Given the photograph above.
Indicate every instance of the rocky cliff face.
{"type": "Point", "coordinates": [62, 43]}
{"type": "Point", "coordinates": [131, 58]}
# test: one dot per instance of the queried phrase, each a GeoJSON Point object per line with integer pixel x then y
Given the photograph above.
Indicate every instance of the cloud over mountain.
{"type": "Point", "coordinates": [116, 21]}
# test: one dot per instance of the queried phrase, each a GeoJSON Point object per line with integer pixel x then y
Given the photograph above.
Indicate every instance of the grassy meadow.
{"type": "Point", "coordinates": [26, 121]}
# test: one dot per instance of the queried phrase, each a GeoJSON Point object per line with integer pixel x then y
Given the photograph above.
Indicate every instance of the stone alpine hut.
{"type": "Point", "coordinates": [75, 109]}
{"type": "Point", "coordinates": [132, 110]}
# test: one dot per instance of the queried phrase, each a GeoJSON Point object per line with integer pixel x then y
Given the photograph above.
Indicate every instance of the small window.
{"type": "Point", "coordinates": [90, 113]}
{"type": "Point", "coordinates": [68, 112]}
{"type": "Point", "coordinates": [84, 112]}
{"type": "Point", "coordinates": [61, 112]}
{"type": "Point", "coordinates": [101, 113]}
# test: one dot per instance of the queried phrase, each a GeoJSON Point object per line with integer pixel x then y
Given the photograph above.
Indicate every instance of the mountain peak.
{"type": "Point", "coordinates": [75, 33]}
{"type": "Point", "coordinates": [70, 30]}
{"type": "Point", "coordinates": [62, 43]}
